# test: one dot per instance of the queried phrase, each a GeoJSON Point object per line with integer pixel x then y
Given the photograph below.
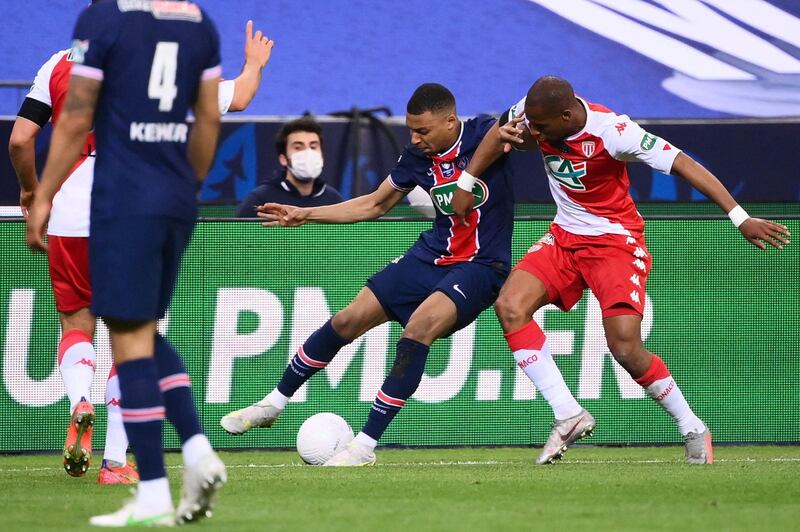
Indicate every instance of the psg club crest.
{"type": "Point", "coordinates": [588, 147]}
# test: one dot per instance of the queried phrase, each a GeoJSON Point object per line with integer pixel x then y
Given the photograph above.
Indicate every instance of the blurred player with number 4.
{"type": "Point", "coordinates": [68, 251]}
{"type": "Point", "coordinates": [596, 241]}
{"type": "Point", "coordinates": [138, 67]}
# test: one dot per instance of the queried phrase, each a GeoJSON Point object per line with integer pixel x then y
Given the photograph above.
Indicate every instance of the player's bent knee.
{"type": "Point", "coordinates": [512, 312]}
{"type": "Point", "coordinates": [423, 333]}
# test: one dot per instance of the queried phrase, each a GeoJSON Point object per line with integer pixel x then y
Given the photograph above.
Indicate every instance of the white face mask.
{"type": "Point", "coordinates": [306, 165]}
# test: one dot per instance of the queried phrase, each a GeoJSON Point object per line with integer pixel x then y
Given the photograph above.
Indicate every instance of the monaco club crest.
{"type": "Point", "coordinates": [588, 147]}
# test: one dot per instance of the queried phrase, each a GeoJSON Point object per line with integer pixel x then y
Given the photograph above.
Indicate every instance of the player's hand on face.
{"type": "Point", "coordinates": [283, 215]}
{"type": "Point", "coordinates": [258, 47]}
{"type": "Point", "coordinates": [26, 200]}
{"type": "Point", "coordinates": [511, 132]}
{"type": "Point", "coordinates": [758, 231]}
{"type": "Point", "coordinates": [462, 204]}
{"type": "Point", "coordinates": [36, 222]}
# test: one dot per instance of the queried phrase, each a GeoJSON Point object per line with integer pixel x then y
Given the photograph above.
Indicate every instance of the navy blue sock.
{"type": "Point", "coordinates": [177, 390]}
{"type": "Point", "coordinates": [402, 382]}
{"type": "Point", "coordinates": [143, 415]}
{"type": "Point", "coordinates": [318, 350]}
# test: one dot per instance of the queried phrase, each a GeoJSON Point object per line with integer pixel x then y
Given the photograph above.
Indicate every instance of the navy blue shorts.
{"type": "Point", "coordinates": [405, 283]}
{"type": "Point", "coordinates": [134, 264]}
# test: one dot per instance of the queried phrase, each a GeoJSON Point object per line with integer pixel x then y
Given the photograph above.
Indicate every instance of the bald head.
{"type": "Point", "coordinates": [552, 111]}
{"type": "Point", "coordinates": [551, 95]}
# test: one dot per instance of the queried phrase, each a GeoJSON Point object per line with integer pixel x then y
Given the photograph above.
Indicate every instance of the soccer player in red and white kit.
{"type": "Point", "coordinates": [68, 232]}
{"type": "Point", "coordinates": [596, 241]}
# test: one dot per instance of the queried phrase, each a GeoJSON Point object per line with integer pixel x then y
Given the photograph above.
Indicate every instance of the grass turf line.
{"type": "Point", "coordinates": [749, 488]}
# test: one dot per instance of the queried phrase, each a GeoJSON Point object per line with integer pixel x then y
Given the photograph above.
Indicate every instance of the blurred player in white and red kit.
{"type": "Point", "coordinates": [68, 232]}
{"type": "Point", "coordinates": [595, 241]}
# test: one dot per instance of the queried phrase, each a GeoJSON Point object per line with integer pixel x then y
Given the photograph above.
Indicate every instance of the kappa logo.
{"type": "Point", "coordinates": [566, 172]}
{"type": "Point", "coordinates": [588, 147]}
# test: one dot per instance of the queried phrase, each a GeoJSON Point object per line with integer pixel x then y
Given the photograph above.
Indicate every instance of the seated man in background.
{"type": "Point", "coordinates": [299, 146]}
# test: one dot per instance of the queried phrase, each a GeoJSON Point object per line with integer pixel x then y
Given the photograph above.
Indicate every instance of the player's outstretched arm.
{"type": "Point", "coordinates": [755, 230]}
{"type": "Point", "coordinates": [65, 149]}
{"type": "Point", "coordinates": [204, 134]}
{"type": "Point", "coordinates": [497, 141]}
{"type": "Point", "coordinates": [22, 151]}
{"type": "Point", "coordinates": [367, 207]}
{"type": "Point", "coordinates": [257, 52]}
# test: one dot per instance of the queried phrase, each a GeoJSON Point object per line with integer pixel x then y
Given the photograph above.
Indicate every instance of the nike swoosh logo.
{"type": "Point", "coordinates": [565, 437]}
{"type": "Point", "coordinates": [457, 289]}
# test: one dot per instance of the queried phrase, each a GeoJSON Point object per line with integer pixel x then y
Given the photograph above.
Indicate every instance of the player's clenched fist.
{"type": "Point", "coordinates": [285, 215]}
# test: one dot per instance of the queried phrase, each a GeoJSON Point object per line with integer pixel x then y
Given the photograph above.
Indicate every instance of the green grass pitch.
{"type": "Point", "coordinates": [495, 489]}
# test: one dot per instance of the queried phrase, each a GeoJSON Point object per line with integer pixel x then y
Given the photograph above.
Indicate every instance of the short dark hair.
{"type": "Point", "coordinates": [431, 97]}
{"type": "Point", "coordinates": [552, 93]}
{"type": "Point", "coordinates": [305, 123]}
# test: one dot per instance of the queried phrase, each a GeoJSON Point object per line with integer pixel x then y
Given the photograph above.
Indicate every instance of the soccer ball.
{"type": "Point", "coordinates": [321, 436]}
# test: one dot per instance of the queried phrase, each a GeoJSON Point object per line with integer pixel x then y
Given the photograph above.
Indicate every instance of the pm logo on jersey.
{"type": "Point", "coordinates": [442, 196]}
{"type": "Point", "coordinates": [566, 172]}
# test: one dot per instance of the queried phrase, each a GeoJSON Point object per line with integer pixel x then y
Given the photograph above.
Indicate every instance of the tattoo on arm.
{"type": "Point", "coordinates": [82, 97]}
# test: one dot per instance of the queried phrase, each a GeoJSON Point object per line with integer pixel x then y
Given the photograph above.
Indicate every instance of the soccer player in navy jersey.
{"type": "Point", "coordinates": [138, 67]}
{"type": "Point", "coordinates": [447, 278]}
{"type": "Point", "coordinates": [68, 251]}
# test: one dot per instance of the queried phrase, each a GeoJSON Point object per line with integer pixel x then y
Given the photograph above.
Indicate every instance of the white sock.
{"type": "Point", "coordinates": [277, 399]}
{"type": "Point", "coordinates": [195, 448]}
{"type": "Point", "coordinates": [154, 495]}
{"type": "Point", "coordinates": [76, 363]}
{"type": "Point", "coordinates": [366, 441]}
{"type": "Point", "coordinates": [116, 438]}
{"type": "Point", "coordinates": [667, 394]}
{"type": "Point", "coordinates": [541, 369]}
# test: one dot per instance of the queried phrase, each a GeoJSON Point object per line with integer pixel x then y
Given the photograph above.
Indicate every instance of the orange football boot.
{"type": "Point", "coordinates": [124, 474]}
{"type": "Point", "coordinates": [78, 446]}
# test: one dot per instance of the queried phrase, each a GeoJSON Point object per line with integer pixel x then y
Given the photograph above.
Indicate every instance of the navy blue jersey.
{"type": "Point", "coordinates": [151, 56]}
{"type": "Point", "coordinates": [488, 238]}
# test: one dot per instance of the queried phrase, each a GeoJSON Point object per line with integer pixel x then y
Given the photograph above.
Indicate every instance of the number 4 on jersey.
{"type": "Point", "coordinates": [162, 75]}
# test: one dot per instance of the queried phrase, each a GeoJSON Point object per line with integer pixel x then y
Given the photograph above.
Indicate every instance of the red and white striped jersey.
{"type": "Point", "coordinates": [71, 204]}
{"type": "Point", "coordinates": [587, 172]}
{"type": "Point", "coordinates": [70, 214]}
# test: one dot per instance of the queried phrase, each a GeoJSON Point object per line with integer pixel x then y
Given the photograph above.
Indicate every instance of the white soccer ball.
{"type": "Point", "coordinates": [321, 436]}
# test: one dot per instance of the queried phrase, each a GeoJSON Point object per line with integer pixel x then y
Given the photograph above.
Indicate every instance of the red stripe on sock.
{"type": "Point", "coordinates": [529, 336]}
{"type": "Point", "coordinates": [308, 360]}
{"type": "Point", "coordinates": [389, 400]}
{"type": "Point", "coordinates": [70, 338]}
{"type": "Point", "coordinates": [657, 371]}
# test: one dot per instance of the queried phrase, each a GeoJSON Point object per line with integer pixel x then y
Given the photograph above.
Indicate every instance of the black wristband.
{"type": "Point", "coordinates": [35, 111]}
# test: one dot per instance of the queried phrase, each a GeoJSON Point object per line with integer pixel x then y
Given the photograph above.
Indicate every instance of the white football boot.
{"type": "Point", "coordinates": [131, 515]}
{"type": "Point", "coordinates": [353, 455]}
{"type": "Point", "coordinates": [260, 414]}
{"type": "Point", "coordinates": [698, 447]}
{"type": "Point", "coordinates": [565, 433]}
{"type": "Point", "coordinates": [201, 482]}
